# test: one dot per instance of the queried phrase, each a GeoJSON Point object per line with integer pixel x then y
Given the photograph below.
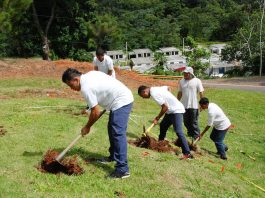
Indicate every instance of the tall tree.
{"type": "Point", "coordinates": [44, 31]}
{"type": "Point", "coordinates": [261, 44]}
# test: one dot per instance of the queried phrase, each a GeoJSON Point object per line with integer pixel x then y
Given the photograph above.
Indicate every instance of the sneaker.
{"type": "Point", "coordinates": [218, 153]}
{"type": "Point", "coordinates": [186, 156]}
{"type": "Point", "coordinates": [105, 160]}
{"type": "Point", "coordinates": [118, 175]}
{"type": "Point", "coordinates": [223, 157]}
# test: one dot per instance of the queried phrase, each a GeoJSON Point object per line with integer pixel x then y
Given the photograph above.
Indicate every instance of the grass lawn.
{"type": "Point", "coordinates": [31, 131]}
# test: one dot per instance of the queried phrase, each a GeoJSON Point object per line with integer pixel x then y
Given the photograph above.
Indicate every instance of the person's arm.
{"type": "Point", "coordinates": [96, 68]}
{"type": "Point", "coordinates": [110, 72]}
{"type": "Point", "coordinates": [179, 96]}
{"type": "Point", "coordinates": [204, 131]}
{"type": "Point", "coordinates": [164, 109]}
{"type": "Point", "coordinates": [201, 95]}
{"type": "Point", "coordinates": [93, 117]}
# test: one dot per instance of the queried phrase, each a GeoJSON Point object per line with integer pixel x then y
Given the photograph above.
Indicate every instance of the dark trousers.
{"type": "Point", "coordinates": [117, 127]}
{"type": "Point", "coordinates": [176, 119]}
{"type": "Point", "coordinates": [218, 137]}
{"type": "Point", "coordinates": [191, 122]}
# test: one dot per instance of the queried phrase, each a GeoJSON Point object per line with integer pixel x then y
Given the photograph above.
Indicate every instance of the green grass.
{"type": "Point", "coordinates": [32, 131]}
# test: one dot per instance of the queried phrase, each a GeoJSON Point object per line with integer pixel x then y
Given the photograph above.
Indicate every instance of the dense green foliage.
{"type": "Point", "coordinates": [76, 27]}
{"type": "Point", "coordinates": [84, 24]}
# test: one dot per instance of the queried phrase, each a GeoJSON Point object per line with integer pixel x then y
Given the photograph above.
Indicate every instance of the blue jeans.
{"type": "Point", "coordinates": [117, 127]}
{"type": "Point", "coordinates": [175, 119]}
{"type": "Point", "coordinates": [218, 137]}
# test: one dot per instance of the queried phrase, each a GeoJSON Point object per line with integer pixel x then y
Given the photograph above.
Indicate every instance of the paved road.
{"type": "Point", "coordinates": [259, 88]}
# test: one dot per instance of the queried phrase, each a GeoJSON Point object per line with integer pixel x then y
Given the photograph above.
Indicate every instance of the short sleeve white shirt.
{"type": "Point", "coordinates": [162, 96]}
{"type": "Point", "coordinates": [190, 89]}
{"type": "Point", "coordinates": [105, 65]}
{"type": "Point", "coordinates": [101, 89]}
{"type": "Point", "coordinates": [217, 118]}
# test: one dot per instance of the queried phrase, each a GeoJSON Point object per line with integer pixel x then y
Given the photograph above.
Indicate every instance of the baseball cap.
{"type": "Point", "coordinates": [189, 70]}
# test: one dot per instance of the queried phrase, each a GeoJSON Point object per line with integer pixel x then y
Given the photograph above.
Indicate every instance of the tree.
{"type": "Point", "coordinates": [44, 33]}
{"type": "Point", "coordinates": [260, 35]}
{"type": "Point", "coordinates": [160, 60]}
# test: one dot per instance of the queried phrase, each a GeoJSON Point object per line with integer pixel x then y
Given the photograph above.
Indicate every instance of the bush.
{"type": "Point", "coordinates": [82, 55]}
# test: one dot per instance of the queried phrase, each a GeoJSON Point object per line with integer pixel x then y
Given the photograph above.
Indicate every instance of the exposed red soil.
{"type": "Point", "coordinates": [152, 144]}
{"type": "Point", "coordinates": [193, 147]}
{"type": "Point", "coordinates": [20, 68]}
{"type": "Point", "coordinates": [68, 165]}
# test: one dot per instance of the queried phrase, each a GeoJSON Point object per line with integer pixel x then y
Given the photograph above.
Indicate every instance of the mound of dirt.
{"type": "Point", "coordinates": [192, 147]}
{"type": "Point", "coordinates": [68, 166]}
{"type": "Point", "coordinates": [152, 144]}
{"type": "Point", "coordinates": [2, 131]}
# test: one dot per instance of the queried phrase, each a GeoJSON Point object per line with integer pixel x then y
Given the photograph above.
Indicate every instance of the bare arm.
{"type": "Point", "coordinates": [179, 95]}
{"type": "Point", "coordinates": [93, 117]}
{"type": "Point", "coordinates": [204, 131]}
{"type": "Point", "coordinates": [201, 95]}
{"type": "Point", "coordinates": [164, 109]}
{"type": "Point", "coordinates": [109, 72]}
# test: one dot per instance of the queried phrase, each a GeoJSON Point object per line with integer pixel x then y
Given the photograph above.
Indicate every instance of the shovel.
{"type": "Point", "coordinates": [145, 133]}
{"type": "Point", "coordinates": [61, 155]}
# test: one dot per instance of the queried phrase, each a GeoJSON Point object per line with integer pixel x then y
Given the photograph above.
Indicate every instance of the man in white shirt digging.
{"type": "Point", "coordinates": [99, 89]}
{"type": "Point", "coordinates": [220, 123]}
{"type": "Point", "coordinates": [103, 63]}
{"type": "Point", "coordinates": [172, 110]}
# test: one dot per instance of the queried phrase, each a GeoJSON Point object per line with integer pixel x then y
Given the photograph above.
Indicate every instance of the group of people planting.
{"type": "Point", "coordinates": [101, 88]}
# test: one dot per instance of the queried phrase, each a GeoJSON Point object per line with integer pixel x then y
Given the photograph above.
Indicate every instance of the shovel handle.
{"type": "Point", "coordinates": [60, 156]}
{"type": "Point", "coordinates": [149, 128]}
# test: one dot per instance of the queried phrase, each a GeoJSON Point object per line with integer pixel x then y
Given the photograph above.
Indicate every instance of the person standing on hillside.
{"type": "Point", "coordinates": [220, 123]}
{"type": "Point", "coordinates": [99, 89]}
{"type": "Point", "coordinates": [103, 63]}
{"type": "Point", "coordinates": [189, 87]}
{"type": "Point", "coordinates": [172, 110]}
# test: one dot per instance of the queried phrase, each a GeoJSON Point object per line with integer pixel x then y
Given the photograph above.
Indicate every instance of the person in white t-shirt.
{"type": "Point", "coordinates": [189, 87]}
{"type": "Point", "coordinates": [172, 110]}
{"type": "Point", "coordinates": [99, 89]}
{"type": "Point", "coordinates": [103, 63]}
{"type": "Point", "coordinates": [220, 123]}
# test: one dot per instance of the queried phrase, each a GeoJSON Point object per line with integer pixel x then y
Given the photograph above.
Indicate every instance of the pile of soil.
{"type": "Point", "coordinates": [68, 165]}
{"type": "Point", "coordinates": [151, 143]}
{"type": "Point", "coordinates": [2, 131]}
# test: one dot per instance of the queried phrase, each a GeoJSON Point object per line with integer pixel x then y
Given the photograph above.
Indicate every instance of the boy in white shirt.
{"type": "Point", "coordinates": [173, 111]}
{"type": "Point", "coordinates": [103, 63]}
{"type": "Point", "coordinates": [99, 89]}
{"type": "Point", "coordinates": [220, 123]}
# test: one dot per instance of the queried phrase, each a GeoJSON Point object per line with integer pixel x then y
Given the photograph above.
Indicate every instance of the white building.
{"type": "Point", "coordinates": [169, 51]}
{"type": "Point", "coordinates": [140, 53]}
{"type": "Point", "coordinates": [217, 48]}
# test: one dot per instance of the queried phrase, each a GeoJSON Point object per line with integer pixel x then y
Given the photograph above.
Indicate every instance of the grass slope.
{"type": "Point", "coordinates": [32, 131]}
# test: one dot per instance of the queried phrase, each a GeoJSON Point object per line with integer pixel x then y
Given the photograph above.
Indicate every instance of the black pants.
{"type": "Point", "coordinates": [191, 122]}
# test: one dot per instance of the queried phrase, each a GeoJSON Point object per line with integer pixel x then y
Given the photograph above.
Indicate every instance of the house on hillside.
{"type": "Point", "coordinates": [218, 68]}
{"type": "Point", "coordinates": [175, 62]}
{"type": "Point", "coordinates": [169, 51]}
{"type": "Point", "coordinates": [140, 53]}
{"type": "Point", "coordinates": [142, 64]}
{"type": "Point", "coordinates": [217, 48]}
{"type": "Point", "coordinates": [116, 55]}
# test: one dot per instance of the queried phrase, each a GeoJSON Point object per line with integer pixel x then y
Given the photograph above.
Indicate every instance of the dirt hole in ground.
{"type": "Point", "coordinates": [69, 165]}
{"type": "Point", "coordinates": [152, 144]}
{"type": "Point", "coordinates": [2, 131]}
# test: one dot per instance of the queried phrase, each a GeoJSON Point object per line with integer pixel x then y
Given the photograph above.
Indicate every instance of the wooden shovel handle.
{"type": "Point", "coordinates": [60, 156]}
{"type": "Point", "coordinates": [149, 128]}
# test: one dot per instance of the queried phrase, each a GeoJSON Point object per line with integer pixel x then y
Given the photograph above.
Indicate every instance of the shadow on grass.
{"type": "Point", "coordinates": [210, 152]}
{"type": "Point", "coordinates": [90, 158]}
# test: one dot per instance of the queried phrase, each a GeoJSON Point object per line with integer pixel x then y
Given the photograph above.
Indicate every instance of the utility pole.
{"type": "Point", "coordinates": [260, 37]}
{"type": "Point", "coordinates": [126, 53]}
